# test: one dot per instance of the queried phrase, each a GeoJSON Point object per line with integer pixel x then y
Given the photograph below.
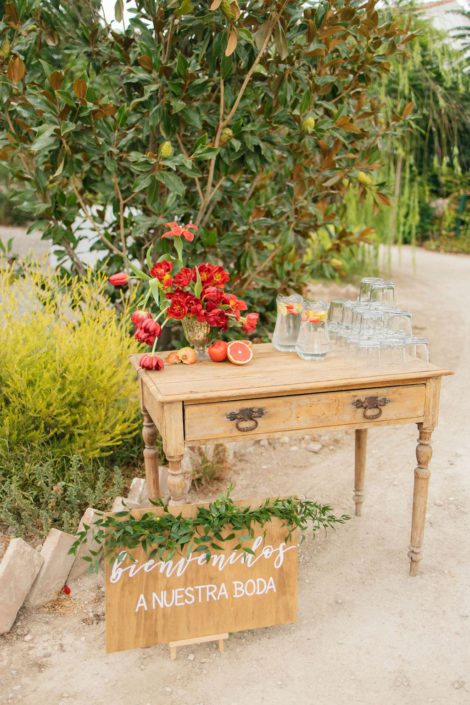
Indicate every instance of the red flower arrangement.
{"type": "Point", "coordinates": [182, 292]}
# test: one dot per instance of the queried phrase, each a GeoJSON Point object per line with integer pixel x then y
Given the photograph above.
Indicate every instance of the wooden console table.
{"type": "Point", "coordinates": [278, 394]}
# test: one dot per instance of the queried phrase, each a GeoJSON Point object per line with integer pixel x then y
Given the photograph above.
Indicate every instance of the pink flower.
{"type": "Point", "coordinates": [175, 230]}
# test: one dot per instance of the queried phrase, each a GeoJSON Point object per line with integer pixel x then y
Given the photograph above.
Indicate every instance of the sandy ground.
{"type": "Point", "coordinates": [366, 632]}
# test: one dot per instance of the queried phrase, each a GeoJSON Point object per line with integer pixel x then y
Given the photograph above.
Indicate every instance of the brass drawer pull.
{"type": "Point", "coordinates": [246, 419]}
{"type": "Point", "coordinates": [372, 406]}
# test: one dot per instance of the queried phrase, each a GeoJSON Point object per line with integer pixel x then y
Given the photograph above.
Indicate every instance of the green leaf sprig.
{"type": "Point", "coordinates": [161, 536]}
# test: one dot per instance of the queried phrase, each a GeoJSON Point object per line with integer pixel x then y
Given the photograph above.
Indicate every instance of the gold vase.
{"type": "Point", "coordinates": [197, 334]}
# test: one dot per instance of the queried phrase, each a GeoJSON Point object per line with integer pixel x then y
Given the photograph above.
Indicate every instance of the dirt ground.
{"type": "Point", "coordinates": [366, 632]}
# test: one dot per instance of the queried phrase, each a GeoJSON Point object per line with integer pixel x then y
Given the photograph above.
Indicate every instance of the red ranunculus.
{"type": "Point", "coordinates": [139, 316]}
{"type": "Point", "coordinates": [220, 277]}
{"type": "Point", "coordinates": [119, 279]}
{"type": "Point", "coordinates": [151, 362]}
{"type": "Point", "coordinates": [217, 318]}
{"type": "Point", "coordinates": [167, 281]}
{"type": "Point", "coordinates": [183, 277]}
{"type": "Point", "coordinates": [205, 273]}
{"type": "Point", "coordinates": [178, 308]}
{"type": "Point", "coordinates": [161, 269]}
{"type": "Point", "coordinates": [186, 231]}
{"type": "Point", "coordinates": [250, 322]}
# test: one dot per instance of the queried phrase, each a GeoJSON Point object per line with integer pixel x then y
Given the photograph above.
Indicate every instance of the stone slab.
{"type": "Point", "coordinates": [18, 570]}
{"type": "Point", "coordinates": [138, 491]}
{"type": "Point", "coordinates": [79, 566]}
{"type": "Point", "coordinates": [54, 570]}
{"type": "Point", "coordinates": [121, 504]}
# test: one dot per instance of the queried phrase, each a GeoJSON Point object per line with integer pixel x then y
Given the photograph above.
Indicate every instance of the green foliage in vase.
{"type": "Point", "coordinates": [164, 534]}
{"type": "Point", "coordinates": [250, 119]}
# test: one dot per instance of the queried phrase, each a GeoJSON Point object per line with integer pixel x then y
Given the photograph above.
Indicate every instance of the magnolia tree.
{"type": "Point", "coordinates": [249, 119]}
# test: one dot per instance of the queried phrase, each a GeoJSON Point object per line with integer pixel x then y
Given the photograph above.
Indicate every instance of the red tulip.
{"type": "Point", "coordinates": [66, 590]}
{"type": "Point", "coordinates": [119, 279]}
{"type": "Point", "coordinates": [151, 362]}
{"type": "Point", "coordinates": [139, 316]}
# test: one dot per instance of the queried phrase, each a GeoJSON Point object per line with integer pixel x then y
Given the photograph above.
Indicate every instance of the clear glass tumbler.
{"type": "Point", "coordinates": [399, 323]}
{"type": "Point", "coordinates": [289, 309]}
{"type": "Point", "coordinates": [313, 342]}
{"type": "Point", "coordinates": [418, 348]}
{"type": "Point", "coordinates": [393, 352]}
{"type": "Point", "coordinates": [383, 292]}
{"type": "Point", "coordinates": [366, 286]}
{"type": "Point", "coordinates": [335, 317]}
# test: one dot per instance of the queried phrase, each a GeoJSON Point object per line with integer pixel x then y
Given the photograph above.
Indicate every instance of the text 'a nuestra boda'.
{"type": "Point", "coordinates": [198, 594]}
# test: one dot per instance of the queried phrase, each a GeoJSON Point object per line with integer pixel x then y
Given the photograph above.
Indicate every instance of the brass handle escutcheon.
{"type": "Point", "coordinates": [372, 406]}
{"type": "Point", "coordinates": [246, 419]}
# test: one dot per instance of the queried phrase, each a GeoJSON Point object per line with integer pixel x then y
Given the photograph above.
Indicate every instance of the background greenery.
{"type": "Point", "coordinates": [68, 397]}
{"type": "Point", "coordinates": [252, 120]}
{"type": "Point", "coordinates": [297, 136]}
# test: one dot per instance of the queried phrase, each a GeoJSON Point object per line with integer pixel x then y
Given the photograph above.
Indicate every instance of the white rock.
{"type": "Point", "coordinates": [314, 447]}
{"type": "Point", "coordinates": [138, 491]}
{"type": "Point", "coordinates": [122, 504]}
{"type": "Point", "coordinates": [163, 476]}
{"type": "Point", "coordinates": [79, 566]}
{"type": "Point", "coordinates": [18, 570]}
{"type": "Point", "coordinates": [55, 568]}
{"type": "Point", "coordinates": [294, 448]}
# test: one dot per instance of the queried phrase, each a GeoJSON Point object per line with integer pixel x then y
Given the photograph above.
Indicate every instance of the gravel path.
{"type": "Point", "coordinates": [366, 632]}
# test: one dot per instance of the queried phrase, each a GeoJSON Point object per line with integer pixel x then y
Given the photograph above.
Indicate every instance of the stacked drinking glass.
{"type": "Point", "coordinates": [370, 331]}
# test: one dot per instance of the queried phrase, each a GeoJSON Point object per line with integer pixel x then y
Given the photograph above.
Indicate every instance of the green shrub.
{"type": "Point", "coordinates": [65, 378]}
{"type": "Point", "coordinates": [39, 491]}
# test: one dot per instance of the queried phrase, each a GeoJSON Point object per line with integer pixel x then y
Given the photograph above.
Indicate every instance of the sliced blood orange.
{"type": "Point", "coordinates": [239, 352]}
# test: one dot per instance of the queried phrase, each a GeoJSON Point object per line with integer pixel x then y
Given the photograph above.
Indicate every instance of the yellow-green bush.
{"type": "Point", "coordinates": [65, 379]}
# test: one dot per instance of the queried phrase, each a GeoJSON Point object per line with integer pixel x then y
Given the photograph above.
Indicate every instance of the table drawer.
{"type": "Point", "coordinates": [271, 415]}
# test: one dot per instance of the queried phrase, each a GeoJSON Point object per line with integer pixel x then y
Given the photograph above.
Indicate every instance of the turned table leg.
{"type": "Point", "coordinates": [420, 497]}
{"type": "Point", "coordinates": [177, 481]}
{"type": "Point", "coordinates": [149, 434]}
{"type": "Point", "coordinates": [360, 468]}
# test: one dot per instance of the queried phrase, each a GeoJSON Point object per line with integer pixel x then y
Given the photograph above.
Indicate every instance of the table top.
{"type": "Point", "coordinates": [272, 373]}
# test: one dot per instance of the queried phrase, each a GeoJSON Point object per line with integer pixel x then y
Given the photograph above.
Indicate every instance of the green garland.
{"type": "Point", "coordinates": [220, 521]}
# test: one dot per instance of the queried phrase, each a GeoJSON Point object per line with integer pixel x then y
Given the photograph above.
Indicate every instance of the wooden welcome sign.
{"type": "Point", "coordinates": [154, 602]}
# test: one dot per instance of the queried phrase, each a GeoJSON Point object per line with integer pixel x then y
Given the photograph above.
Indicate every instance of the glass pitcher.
{"type": "Point", "coordinates": [289, 309]}
{"type": "Point", "coordinates": [313, 342]}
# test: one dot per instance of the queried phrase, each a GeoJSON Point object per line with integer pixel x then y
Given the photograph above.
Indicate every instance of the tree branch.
{"type": "Point", "coordinates": [224, 122]}
{"type": "Point", "coordinates": [121, 216]}
{"type": "Point", "coordinates": [196, 178]}
{"type": "Point", "coordinates": [210, 176]}
{"type": "Point", "coordinates": [90, 219]}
